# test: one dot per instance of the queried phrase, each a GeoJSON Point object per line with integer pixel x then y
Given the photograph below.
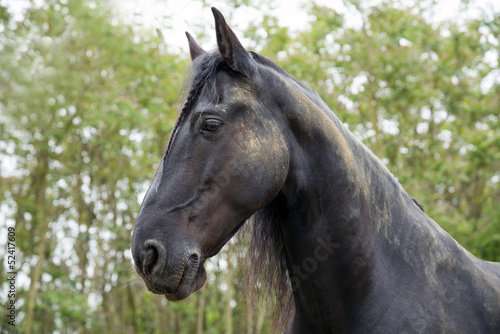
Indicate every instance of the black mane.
{"type": "Point", "coordinates": [202, 78]}
{"type": "Point", "coordinates": [266, 275]}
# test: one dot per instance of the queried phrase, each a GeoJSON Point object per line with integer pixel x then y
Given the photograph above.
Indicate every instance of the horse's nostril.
{"type": "Point", "coordinates": [154, 257]}
{"type": "Point", "coordinates": [150, 260]}
{"type": "Point", "coordinates": [193, 260]}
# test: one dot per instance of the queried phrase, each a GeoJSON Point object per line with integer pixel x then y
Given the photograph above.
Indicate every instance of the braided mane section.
{"type": "Point", "coordinates": [203, 78]}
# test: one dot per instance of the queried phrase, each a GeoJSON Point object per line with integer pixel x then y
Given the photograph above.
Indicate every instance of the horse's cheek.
{"type": "Point", "coordinates": [264, 174]}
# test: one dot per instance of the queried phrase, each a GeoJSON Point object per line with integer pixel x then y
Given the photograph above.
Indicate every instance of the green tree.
{"type": "Point", "coordinates": [87, 104]}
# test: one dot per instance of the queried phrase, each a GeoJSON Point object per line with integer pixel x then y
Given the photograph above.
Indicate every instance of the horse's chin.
{"type": "Point", "coordinates": [187, 288]}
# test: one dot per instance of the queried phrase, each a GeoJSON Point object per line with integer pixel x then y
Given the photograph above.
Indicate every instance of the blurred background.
{"type": "Point", "coordinates": [89, 93]}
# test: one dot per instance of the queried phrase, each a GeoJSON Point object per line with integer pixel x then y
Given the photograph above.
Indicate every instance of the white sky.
{"type": "Point", "coordinates": [187, 15]}
{"type": "Point", "coordinates": [174, 17]}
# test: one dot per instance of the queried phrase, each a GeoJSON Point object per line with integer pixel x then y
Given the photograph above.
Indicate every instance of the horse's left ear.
{"type": "Point", "coordinates": [230, 48]}
{"type": "Point", "coordinates": [194, 48]}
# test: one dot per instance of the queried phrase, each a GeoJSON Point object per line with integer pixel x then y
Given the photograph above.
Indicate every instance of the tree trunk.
{"type": "Point", "coordinates": [40, 192]}
{"type": "Point", "coordinates": [201, 313]}
{"type": "Point", "coordinates": [131, 306]}
{"type": "Point", "coordinates": [37, 274]}
{"type": "Point", "coordinates": [229, 294]}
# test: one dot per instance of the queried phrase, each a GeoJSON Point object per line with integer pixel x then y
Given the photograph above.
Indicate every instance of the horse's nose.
{"type": "Point", "coordinates": [153, 258]}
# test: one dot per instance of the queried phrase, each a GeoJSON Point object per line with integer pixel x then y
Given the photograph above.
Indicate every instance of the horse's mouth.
{"type": "Point", "coordinates": [174, 289]}
{"type": "Point", "coordinates": [192, 280]}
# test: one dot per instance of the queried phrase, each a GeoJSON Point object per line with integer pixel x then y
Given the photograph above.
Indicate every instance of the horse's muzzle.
{"type": "Point", "coordinates": [177, 278]}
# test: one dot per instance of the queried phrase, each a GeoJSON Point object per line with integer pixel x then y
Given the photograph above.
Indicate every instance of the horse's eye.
{"type": "Point", "coordinates": [210, 125]}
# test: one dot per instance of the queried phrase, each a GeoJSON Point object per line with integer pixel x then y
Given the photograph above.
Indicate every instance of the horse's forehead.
{"type": "Point", "coordinates": [228, 90]}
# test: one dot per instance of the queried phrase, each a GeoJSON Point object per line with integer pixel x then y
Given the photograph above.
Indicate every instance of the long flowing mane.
{"type": "Point", "coordinates": [267, 279]}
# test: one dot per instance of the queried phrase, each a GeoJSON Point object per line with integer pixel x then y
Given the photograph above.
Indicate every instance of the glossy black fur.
{"type": "Point", "coordinates": [361, 254]}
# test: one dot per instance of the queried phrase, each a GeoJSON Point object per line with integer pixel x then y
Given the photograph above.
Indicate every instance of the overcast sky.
{"type": "Point", "coordinates": [186, 15]}
{"type": "Point", "coordinates": [173, 17]}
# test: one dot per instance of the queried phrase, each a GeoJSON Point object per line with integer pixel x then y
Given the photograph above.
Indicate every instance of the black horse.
{"type": "Point", "coordinates": [357, 253]}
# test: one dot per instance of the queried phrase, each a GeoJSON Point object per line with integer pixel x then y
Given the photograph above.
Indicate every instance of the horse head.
{"type": "Point", "coordinates": [226, 159]}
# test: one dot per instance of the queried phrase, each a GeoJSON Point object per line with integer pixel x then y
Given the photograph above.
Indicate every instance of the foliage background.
{"type": "Point", "coordinates": [87, 102]}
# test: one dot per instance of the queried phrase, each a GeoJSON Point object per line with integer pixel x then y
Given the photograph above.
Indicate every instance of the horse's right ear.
{"type": "Point", "coordinates": [194, 48]}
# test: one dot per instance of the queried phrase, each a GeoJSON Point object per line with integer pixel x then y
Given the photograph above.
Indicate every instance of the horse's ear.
{"type": "Point", "coordinates": [194, 48]}
{"type": "Point", "coordinates": [230, 48]}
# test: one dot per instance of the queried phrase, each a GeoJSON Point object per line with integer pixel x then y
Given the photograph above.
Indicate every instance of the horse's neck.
{"type": "Point", "coordinates": [335, 182]}
{"type": "Point", "coordinates": [343, 209]}
{"type": "Point", "coordinates": [354, 240]}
